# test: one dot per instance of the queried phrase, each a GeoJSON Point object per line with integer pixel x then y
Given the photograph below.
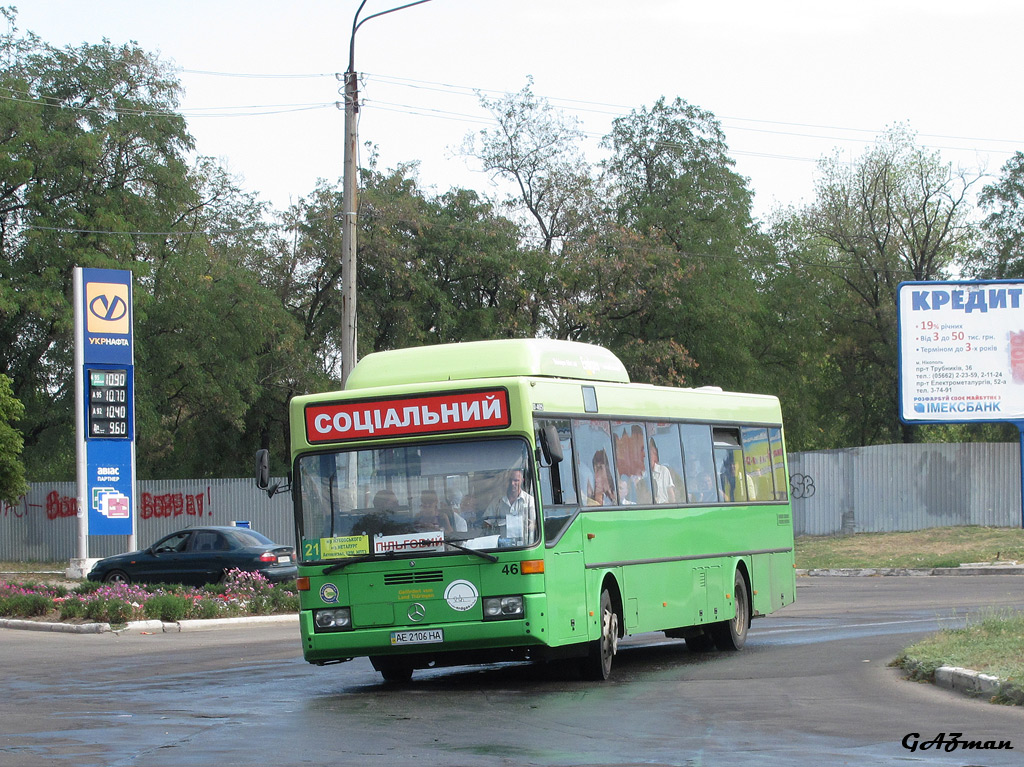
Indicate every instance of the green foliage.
{"type": "Point", "coordinates": [25, 605]}
{"type": "Point", "coordinates": [12, 471]}
{"type": "Point", "coordinates": [167, 607]}
{"type": "Point", "coordinates": [897, 213]}
{"type": "Point", "coordinates": [652, 253]}
{"type": "Point", "coordinates": [1003, 227]}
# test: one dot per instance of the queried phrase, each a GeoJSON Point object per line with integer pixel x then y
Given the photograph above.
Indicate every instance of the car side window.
{"type": "Point", "coordinates": [176, 542]}
{"type": "Point", "coordinates": [206, 540]}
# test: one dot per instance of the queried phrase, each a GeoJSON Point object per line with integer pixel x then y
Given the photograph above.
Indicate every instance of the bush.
{"type": "Point", "coordinates": [26, 605]}
{"type": "Point", "coordinates": [119, 611]}
{"type": "Point", "coordinates": [170, 608]}
{"type": "Point", "coordinates": [208, 608]}
{"type": "Point", "coordinates": [72, 608]}
{"type": "Point", "coordinates": [241, 593]}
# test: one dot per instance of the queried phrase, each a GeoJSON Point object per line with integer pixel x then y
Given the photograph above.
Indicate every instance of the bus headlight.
{"type": "Point", "coordinates": [333, 619]}
{"type": "Point", "coordinates": [503, 608]}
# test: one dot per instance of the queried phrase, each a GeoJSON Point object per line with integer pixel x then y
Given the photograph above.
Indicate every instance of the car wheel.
{"type": "Point", "coordinates": [117, 576]}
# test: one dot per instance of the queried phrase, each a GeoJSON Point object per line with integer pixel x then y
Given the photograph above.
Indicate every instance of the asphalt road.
{"type": "Point", "coordinates": [812, 687]}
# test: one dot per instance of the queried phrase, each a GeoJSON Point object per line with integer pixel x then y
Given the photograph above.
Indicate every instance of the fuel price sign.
{"type": "Point", "coordinates": [109, 398]}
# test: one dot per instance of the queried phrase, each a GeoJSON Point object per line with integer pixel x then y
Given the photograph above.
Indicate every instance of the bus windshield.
{"type": "Point", "coordinates": [423, 498]}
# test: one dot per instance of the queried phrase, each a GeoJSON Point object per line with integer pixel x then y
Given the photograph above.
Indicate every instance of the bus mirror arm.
{"type": "Point", "coordinates": [263, 476]}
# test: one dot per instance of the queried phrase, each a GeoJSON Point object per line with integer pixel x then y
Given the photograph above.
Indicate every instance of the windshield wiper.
{"type": "Point", "coordinates": [468, 550]}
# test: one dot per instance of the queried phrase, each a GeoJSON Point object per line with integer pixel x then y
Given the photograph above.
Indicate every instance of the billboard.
{"type": "Point", "coordinates": [961, 351]}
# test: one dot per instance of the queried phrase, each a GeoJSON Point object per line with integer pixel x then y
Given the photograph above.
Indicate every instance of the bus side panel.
{"type": "Point", "coordinates": [566, 588]}
{"type": "Point", "coordinates": [761, 586]}
{"type": "Point", "coordinates": [783, 580]}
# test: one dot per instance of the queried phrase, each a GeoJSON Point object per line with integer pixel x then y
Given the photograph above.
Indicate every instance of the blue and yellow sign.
{"type": "Point", "coordinates": [107, 299]}
{"type": "Point", "coordinates": [109, 399]}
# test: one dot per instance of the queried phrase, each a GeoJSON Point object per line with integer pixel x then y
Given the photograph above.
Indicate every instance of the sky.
{"type": "Point", "coordinates": [792, 81]}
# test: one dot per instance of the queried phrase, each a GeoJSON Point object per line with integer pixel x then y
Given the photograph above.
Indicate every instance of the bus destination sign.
{"type": "Point", "coordinates": [404, 416]}
{"type": "Point", "coordinates": [108, 403]}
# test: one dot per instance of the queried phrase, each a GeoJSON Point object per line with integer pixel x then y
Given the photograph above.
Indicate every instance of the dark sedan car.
{"type": "Point", "coordinates": [199, 555]}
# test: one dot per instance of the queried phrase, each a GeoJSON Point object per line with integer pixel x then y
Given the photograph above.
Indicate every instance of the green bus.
{"type": "Point", "coordinates": [522, 500]}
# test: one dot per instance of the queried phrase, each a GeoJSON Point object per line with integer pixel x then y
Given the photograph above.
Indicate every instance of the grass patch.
{"type": "Point", "coordinates": [993, 644]}
{"type": "Point", "coordinates": [920, 549]}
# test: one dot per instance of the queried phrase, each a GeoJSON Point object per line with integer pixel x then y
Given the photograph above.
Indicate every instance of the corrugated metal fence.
{"type": "Point", "coordinates": [42, 526]}
{"type": "Point", "coordinates": [886, 488]}
{"type": "Point", "coordinates": [865, 489]}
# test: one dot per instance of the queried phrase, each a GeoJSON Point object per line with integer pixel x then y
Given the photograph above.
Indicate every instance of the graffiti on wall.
{"type": "Point", "coordinates": [151, 506]}
{"type": "Point", "coordinates": [175, 505]}
{"type": "Point", "coordinates": [802, 485]}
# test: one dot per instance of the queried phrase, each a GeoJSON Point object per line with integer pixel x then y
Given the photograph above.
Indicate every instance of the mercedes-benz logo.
{"type": "Point", "coordinates": [417, 612]}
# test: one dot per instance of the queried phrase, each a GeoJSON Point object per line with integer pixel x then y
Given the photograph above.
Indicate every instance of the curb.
{"type": "Point", "coordinates": [64, 628]}
{"type": "Point", "coordinates": [151, 627]}
{"type": "Point", "coordinates": [975, 684]}
{"type": "Point", "coordinates": [854, 572]}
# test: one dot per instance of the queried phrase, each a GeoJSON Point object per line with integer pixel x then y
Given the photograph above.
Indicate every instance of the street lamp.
{"type": "Point", "coordinates": [349, 201]}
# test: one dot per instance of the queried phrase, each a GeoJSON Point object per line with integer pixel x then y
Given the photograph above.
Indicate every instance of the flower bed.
{"type": "Point", "coordinates": [242, 593]}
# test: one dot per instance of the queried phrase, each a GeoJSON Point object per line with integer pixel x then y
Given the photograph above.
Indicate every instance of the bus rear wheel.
{"type": "Point", "coordinates": [732, 634]}
{"type": "Point", "coordinates": [598, 663]}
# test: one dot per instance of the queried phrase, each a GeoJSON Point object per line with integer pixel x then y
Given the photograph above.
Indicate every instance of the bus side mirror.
{"type": "Point", "coordinates": [262, 469]}
{"type": "Point", "coordinates": [550, 444]}
{"type": "Point", "coordinates": [263, 475]}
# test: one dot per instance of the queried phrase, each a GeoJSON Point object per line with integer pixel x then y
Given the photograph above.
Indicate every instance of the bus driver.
{"type": "Point", "coordinates": [515, 513]}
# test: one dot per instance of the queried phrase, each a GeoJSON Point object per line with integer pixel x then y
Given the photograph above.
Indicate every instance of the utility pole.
{"type": "Point", "coordinates": [350, 203]}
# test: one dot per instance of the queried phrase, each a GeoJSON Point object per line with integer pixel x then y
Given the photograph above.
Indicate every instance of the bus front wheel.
{"type": "Point", "coordinates": [732, 634]}
{"type": "Point", "coordinates": [391, 670]}
{"type": "Point", "coordinates": [598, 663]}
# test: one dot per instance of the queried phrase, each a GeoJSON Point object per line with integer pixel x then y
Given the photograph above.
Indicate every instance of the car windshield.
{"type": "Point", "coordinates": [423, 498]}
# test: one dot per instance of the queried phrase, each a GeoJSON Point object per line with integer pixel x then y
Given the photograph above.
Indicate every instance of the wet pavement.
{"type": "Point", "coordinates": [812, 687]}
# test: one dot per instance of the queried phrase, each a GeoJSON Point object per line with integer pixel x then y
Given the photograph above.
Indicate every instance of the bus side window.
{"type": "Point", "coordinates": [594, 463]}
{"type": "Point", "coordinates": [701, 486]}
{"type": "Point", "coordinates": [564, 468]}
{"type": "Point", "coordinates": [630, 448]}
{"type": "Point", "coordinates": [663, 449]}
{"type": "Point", "coordinates": [729, 465]}
{"type": "Point", "coordinates": [779, 464]}
{"type": "Point", "coordinates": [757, 465]}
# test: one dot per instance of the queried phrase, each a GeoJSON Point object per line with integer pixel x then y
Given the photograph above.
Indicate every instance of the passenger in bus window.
{"type": "Point", "coordinates": [664, 485]}
{"type": "Point", "coordinates": [704, 490]}
{"type": "Point", "coordinates": [470, 517]}
{"type": "Point", "coordinates": [385, 500]}
{"type": "Point", "coordinates": [624, 491]}
{"type": "Point", "coordinates": [514, 515]}
{"type": "Point", "coordinates": [601, 490]}
{"type": "Point", "coordinates": [431, 518]}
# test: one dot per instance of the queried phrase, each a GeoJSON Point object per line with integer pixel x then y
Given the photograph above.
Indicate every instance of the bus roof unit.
{"type": "Point", "coordinates": [540, 357]}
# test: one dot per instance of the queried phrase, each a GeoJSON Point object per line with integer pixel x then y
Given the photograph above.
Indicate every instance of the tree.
{"type": "Point", "coordinates": [536, 149]}
{"type": "Point", "coordinates": [12, 472]}
{"type": "Point", "coordinates": [671, 181]}
{"type": "Point", "coordinates": [93, 173]}
{"type": "Point", "coordinates": [93, 154]}
{"type": "Point", "coordinates": [1003, 227]}
{"type": "Point", "coordinates": [898, 213]}
{"type": "Point", "coordinates": [217, 356]}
